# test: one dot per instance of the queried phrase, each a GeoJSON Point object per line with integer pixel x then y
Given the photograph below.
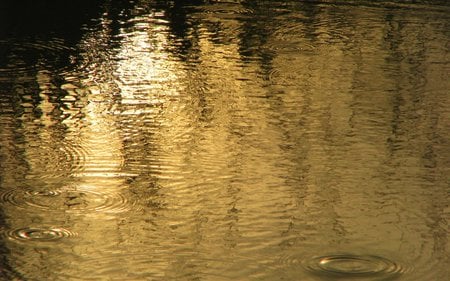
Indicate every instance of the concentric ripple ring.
{"type": "Point", "coordinates": [76, 201]}
{"type": "Point", "coordinates": [45, 234]}
{"type": "Point", "coordinates": [347, 265]}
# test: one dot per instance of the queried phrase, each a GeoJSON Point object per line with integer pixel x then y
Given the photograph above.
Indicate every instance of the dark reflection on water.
{"type": "Point", "coordinates": [224, 140]}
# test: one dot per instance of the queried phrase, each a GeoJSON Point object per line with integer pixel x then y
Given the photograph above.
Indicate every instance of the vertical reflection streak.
{"type": "Point", "coordinates": [231, 140]}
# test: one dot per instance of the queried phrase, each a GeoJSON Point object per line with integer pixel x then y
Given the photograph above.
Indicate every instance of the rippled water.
{"type": "Point", "coordinates": [225, 140]}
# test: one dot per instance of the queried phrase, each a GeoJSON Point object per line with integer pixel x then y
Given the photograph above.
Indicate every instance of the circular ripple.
{"type": "Point", "coordinates": [227, 9]}
{"type": "Point", "coordinates": [20, 57]}
{"type": "Point", "coordinates": [346, 266]}
{"type": "Point", "coordinates": [67, 200]}
{"type": "Point", "coordinates": [50, 161]}
{"type": "Point", "coordinates": [48, 193]}
{"type": "Point", "coordinates": [39, 234]}
{"type": "Point", "coordinates": [76, 155]}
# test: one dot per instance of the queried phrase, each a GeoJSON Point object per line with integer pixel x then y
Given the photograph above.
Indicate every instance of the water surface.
{"type": "Point", "coordinates": [239, 140]}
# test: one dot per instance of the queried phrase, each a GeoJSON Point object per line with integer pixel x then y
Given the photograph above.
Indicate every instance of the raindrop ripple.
{"type": "Point", "coordinates": [68, 200]}
{"type": "Point", "coordinates": [45, 234]}
{"type": "Point", "coordinates": [20, 57]}
{"type": "Point", "coordinates": [358, 266]}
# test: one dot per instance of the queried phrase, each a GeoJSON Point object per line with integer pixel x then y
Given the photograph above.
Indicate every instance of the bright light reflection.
{"type": "Point", "coordinates": [99, 137]}
{"type": "Point", "coordinates": [145, 72]}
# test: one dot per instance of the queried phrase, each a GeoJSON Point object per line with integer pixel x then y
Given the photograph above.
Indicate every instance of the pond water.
{"type": "Point", "coordinates": [225, 140]}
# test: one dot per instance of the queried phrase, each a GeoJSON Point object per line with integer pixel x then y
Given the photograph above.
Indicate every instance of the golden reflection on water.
{"type": "Point", "coordinates": [312, 131]}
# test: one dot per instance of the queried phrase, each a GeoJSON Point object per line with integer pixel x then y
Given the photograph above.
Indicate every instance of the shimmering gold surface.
{"type": "Point", "coordinates": [229, 141]}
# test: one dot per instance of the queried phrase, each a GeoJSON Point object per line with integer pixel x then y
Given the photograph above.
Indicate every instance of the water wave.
{"type": "Point", "coordinates": [39, 234]}
{"type": "Point", "coordinates": [364, 267]}
{"type": "Point", "coordinates": [22, 57]}
{"type": "Point", "coordinates": [68, 200]}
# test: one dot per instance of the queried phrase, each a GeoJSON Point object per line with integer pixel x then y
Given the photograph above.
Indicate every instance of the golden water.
{"type": "Point", "coordinates": [240, 140]}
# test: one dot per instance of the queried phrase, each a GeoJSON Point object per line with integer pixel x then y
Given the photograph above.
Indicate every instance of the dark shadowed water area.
{"type": "Point", "coordinates": [224, 140]}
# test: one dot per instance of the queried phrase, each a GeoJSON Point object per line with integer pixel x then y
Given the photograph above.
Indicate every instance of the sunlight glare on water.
{"type": "Point", "coordinates": [225, 140]}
